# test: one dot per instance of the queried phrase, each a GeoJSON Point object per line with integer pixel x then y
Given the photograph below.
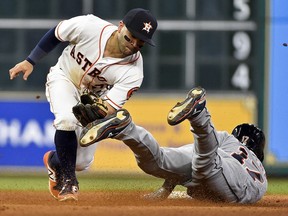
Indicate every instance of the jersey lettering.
{"type": "Point", "coordinates": [255, 175]}
{"type": "Point", "coordinates": [79, 58]}
{"type": "Point", "coordinates": [87, 63]}
{"type": "Point", "coordinates": [102, 79]}
{"type": "Point", "coordinates": [95, 72]}
{"type": "Point", "coordinates": [242, 157]}
{"type": "Point", "coordinates": [100, 86]}
{"type": "Point", "coordinates": [72, 53]}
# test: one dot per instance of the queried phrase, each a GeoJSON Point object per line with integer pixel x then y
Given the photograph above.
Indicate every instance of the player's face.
{"type": "Point", "coordinates": [128, 44]}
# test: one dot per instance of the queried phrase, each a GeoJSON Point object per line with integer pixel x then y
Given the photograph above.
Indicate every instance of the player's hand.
{"type": "Point", "coordinates": [24, 67]}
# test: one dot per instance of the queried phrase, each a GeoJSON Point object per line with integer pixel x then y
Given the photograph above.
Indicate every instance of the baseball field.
{"type": "Point", "coordinates": [122, 194]}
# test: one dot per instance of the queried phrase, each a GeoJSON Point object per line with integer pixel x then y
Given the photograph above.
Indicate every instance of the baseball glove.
{"type": "Point", "coordinates": [91, 108]}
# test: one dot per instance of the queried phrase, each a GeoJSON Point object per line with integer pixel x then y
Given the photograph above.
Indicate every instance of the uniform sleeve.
{"type": "Point", "coordinates": [121, 92]}
{"type": "Point", "coordinates": [47, 43]}
{"type": "Point", "coordinates": [70, 30]}
{"type": "Point", "coordinates": [125, 84]}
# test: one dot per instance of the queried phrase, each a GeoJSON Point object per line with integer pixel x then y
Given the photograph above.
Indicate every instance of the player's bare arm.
{"type": "Point", "coordinates": [24, 67]}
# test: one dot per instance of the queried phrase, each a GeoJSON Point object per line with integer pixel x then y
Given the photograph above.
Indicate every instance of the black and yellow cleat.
{"type": "Point", "coordinates": [105, 128]}
{"type": "Point", "coordinates": [192, 106]}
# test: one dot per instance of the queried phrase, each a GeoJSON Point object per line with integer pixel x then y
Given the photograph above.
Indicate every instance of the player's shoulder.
{"type": "Point", "coordinates": [227, 141]}
{"type": "Point", "coordinates": [132, 61]}
{"type": "Point", "coordinates": [89, 19]}
{"type": "Point", "coordinates": [135, 63]}
{"type": "Point", "coordinates": [223, 135]}
{"type": "Point", "coordinates": [131, 70]}
{"type": "Point", "coordinates": [133, 73]}
{"type": "Point", "coordinates": [94, 18]}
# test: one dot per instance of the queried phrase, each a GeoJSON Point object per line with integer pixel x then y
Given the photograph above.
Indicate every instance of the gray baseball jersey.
{"type": "Point", "coordinates": [217, 166]}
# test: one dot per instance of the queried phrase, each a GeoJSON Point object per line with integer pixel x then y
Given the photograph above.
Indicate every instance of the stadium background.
{"type": "Point", "coordinates": [233, 48]}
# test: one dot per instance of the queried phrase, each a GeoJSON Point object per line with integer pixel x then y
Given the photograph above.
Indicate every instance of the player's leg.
{"type": "Point", "coordinates": [162, 162]}
{"type": "Point", "coordinates": [85, 155]}
{"type": "Point", "coordinates": [55, 174]}
{"type": "Point", "coordinates": [171, 163]}
{"type": "Point", "coordinates": [62, 96]}
{"type": "Point", "coordinates": [193, 108]}
{"type": "Point", "coordinates": [208, 180]}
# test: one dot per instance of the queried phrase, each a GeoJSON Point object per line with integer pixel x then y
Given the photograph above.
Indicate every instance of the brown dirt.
{"type": "Point", "coordinates": [130, 203]}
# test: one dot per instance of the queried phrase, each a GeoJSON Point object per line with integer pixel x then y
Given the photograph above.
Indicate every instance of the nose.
{"type": "Point", "coordinates": [136, 44]}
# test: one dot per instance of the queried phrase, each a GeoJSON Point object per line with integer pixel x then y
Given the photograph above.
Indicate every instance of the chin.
{"type": "Point", "coordinates": [128, 52]}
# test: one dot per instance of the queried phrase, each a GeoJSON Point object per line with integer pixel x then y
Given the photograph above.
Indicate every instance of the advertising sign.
{"type": "Point", "coordinates": [26, 132]}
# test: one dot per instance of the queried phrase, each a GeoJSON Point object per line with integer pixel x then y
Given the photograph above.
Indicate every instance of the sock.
{"type": "Point", "coordinates": [66, 148]}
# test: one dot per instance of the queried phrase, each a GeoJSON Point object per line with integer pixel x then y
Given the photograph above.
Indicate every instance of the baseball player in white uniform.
{"type": "Point", "coordinates": [101, 58]}
{"type": "Point", "coordinates": [219, 166]}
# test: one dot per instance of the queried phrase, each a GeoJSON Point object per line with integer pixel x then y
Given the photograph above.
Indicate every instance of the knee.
{"type": "Point", "coordinates": [150, 169]}
{"type": "Point", "coordinates": [83, 164]}
{"type": "Point", "coordinates": [65, 122]}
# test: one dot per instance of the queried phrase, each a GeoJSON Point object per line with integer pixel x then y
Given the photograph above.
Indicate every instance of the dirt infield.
{"type": "Point", "coordinates": [130, 203]}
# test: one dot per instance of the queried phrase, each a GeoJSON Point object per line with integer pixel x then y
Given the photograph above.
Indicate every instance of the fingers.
{"type": "Point", "coordinates": [23, 67]}
{"type": "Point", "coordinates": [13, 72]}
{"type": "Point", "coordinates": [25, 76]}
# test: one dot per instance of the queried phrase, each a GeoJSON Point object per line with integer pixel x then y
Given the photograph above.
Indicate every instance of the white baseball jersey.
{"type": "Point", "coordinates": [82, 66]}
{"type": "Point", "coordinates": [83, 63]}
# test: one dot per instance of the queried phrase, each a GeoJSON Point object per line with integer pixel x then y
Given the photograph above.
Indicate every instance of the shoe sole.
{"type": "Point", "coordinates": [68, 197]}
{"type": "Point", "coordinates": [104, 127]}
{"type": "Point", "coordinates": [181, 110]}
{"type": "Point", "coordinates": [51, 175]}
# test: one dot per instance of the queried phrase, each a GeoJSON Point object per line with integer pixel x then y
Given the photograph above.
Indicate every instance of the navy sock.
{"type": "Point", "coordinates": [66, 147]}
{"type": "Point", "coordinates": [54, 160]}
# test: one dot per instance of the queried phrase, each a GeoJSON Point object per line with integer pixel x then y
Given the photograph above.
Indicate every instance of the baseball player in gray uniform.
{"type": "Point", "coordinates": [219, 166]}
{"type": "Point", "coordinates": [96, 73]}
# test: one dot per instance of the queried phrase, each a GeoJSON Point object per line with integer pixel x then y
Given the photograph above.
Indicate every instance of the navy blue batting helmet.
{"type": "Point", "coordinates": [252, 137]}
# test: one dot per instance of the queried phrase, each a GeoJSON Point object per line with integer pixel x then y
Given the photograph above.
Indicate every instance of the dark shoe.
{"type": "Point", "coordinates": [191, 107]}
{"type": "Point", "coordinates": [105, 128]}
{"type": "Point", "coordinates": [54, 174]}
{"type": "Point", "coordinates": [69, 191]}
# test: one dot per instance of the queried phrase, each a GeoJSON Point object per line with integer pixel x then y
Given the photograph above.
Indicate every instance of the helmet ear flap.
{"type": "Point", "coordinates": [252, 137]}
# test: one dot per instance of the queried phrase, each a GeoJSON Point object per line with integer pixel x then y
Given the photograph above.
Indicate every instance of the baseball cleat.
{"type": "Point", "coordinates": [105, 128]}
{"type": "Point", "coordinates": [55, 179]}
{"type": "Point", "coordinates": [69, 191]}
{"type": "Point", "coordinates": [190, 107]}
